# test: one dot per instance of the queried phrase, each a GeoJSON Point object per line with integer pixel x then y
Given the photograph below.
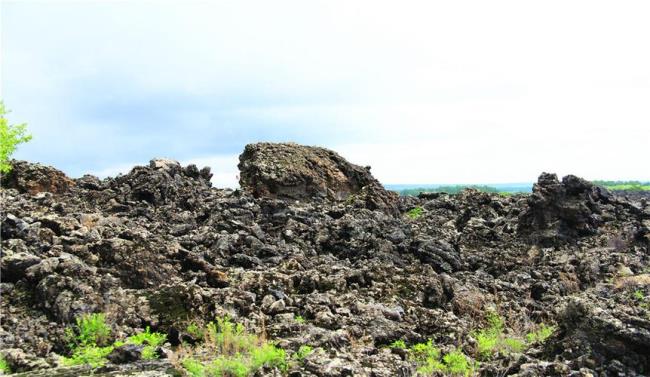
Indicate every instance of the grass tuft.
{"type": "Point", "coordinates": [229, 350]}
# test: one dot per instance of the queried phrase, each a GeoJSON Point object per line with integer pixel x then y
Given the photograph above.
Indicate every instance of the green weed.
{"type": "Point", "coordinates": [195, 331]}
{"type": "Point", "coordinates": [428, 360]}
{"type": "Point", "coordinates": [415, 213]}
{"type": "Point", "coordinates": [4, 365]}
{"type": "Point", "coordinates": [398, 344]}
{"type": "Point", "coordinates": [92, 329]}
{"type": "Point", "coordinates": [90, 354]}
{"type": "Point", "coordinates": [299, 319]}
{"type": "Point", "coordinates": [540, 335]}
{"type": "Point", "coordinates": [302, 353]}
{"type": "Point", "coordinates": [88, 341]}
{"type": "Point", "coordinates": [229, 350]}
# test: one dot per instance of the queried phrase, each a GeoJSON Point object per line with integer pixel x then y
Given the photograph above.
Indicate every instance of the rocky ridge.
{"type": "Point", "coordinates": [314, 236]}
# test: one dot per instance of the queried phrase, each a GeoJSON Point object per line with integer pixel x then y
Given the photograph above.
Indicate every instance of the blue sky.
{"type": "Point", "coordinates": [424, 92]}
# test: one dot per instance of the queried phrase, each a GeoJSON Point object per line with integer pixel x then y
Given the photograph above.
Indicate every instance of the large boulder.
{"type": "Point", "coordinates": [27, 177]}
{"type": "Point", "coordinates": [292, 171]}
{"type": "Point", "coordinates": [562, 211]}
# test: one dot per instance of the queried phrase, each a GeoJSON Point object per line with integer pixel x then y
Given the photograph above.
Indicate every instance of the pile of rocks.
{"type": "Point", "coordinates": [311, 235]}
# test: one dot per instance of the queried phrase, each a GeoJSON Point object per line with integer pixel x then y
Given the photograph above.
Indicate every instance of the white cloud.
{"type": "Point", "coordinates": [462, 91]}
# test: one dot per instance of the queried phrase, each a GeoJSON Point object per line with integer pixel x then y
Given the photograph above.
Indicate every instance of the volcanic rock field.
{"type": "Point", "coordinates": [313, 252]}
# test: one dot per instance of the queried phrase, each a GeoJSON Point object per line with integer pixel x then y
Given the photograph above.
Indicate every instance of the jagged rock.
{"type": "Point", "coordinates": [587, 328]}
{"type": "Point", "coordinates": [292, 171]}
{"type": "Point", "coordinates": [562, 211]}
{"type": "Point", "coordinates": [160, 247]}
{"type": "Point", "coordinates": [34, 178]}
{"type": "Point", "coordinates": [127, 353]}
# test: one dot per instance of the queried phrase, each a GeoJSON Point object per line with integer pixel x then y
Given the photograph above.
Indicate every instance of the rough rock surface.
{"type": "Point", "coordinates": [35, 178]}
{"type": "Point", "coordinates": [159, 247]}
{"type": "Point", "coordinates": [292, 171]}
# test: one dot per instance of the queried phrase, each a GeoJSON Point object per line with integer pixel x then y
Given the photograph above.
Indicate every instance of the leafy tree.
{"type": "Point", "coordinates": [10, 136]}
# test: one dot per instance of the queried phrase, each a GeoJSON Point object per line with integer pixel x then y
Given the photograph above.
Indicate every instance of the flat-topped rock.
{"type": "Point", "coordinates": [292, 171]}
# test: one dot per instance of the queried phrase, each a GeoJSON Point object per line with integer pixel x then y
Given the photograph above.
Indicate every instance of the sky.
{"type": "Point", "coordinates": [422, 91]}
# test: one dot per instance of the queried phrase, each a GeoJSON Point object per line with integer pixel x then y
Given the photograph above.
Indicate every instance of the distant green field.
{"type": "Point", "coordinates": [624, 185]}
{"type": "Point", "coordinates": [452, 189]}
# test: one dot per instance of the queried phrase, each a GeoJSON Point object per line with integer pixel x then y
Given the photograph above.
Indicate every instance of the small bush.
{"type": "Point", "coordinates": [149, 340]}
{"type": "Point", "coordinates": [428, 360]}
{"type": "Point", "coordinates": [541, 334]}
{"type": "Point", "coordinates": [456, 363]}
{"type": "Point", "coordinates": [299, 319]}
{"type": "Point", "coordinates": [229, 350]}
{"type": "Point", "coordinates": [415, 213]}
{"type": "Point", "coordinates": [86, 341]}
{"type": "Point", "coordinates": [398, 344]}
{"type": "Point", "coordinates": [89, 354]}
{"type": "Point", "coordinates": [195, 331]}
{"type": "Point", "coordinates": [194, 367]}
{"type": "Point", "coordinates": [92, 329]}
{"type": "Point", "coordinates": [492, 339]}
{"type": "Point", "coordinates": [302, 353]}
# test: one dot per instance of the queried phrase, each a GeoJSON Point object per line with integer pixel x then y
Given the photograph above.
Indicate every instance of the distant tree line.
{"type": "Point", "coordinates": [624, 185]}
{"type": "Point", "coordinates": [454, 189]}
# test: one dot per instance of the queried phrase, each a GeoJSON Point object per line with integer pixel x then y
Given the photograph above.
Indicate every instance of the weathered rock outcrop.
{"type": "Point", "coordinates": [292, 171]}
{"type": "Point", "coordinates": [562, 211]}
{"type": "Point", "coordinates": [160, 247]}
{"type": "Point", "coordinates": [35, 178]}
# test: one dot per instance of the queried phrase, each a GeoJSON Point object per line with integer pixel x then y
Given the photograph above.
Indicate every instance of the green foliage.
{"type": "Point", "coordinates": [92, 329]}
{"type": "Point", "coordinates": [87, 340]}
{"type": "Point", "coordinates": [89, 354]}
{"type": "Point", "coordinates": [229, 350]}
{"type": "Point", "coordinates": [398, 344]}
{"type": "Point", "coordinates": [194, 367]}
{"type": "Point", "coordinates": [427, 358]}
{"type": "Point", "coordinates": [149, 340]}
{"type": "Point", "coordinates": [299, 319]}
{"type": "Point", "coordinates": [11, 135]}
{"type": "Point", "coordinates": [415, 213]}
{"type": "Point", "coordinates": [540, 335]}
{"type": "Point", "coordinates": [514, 344]}
{"type": "Point", "coordinates": [457, 364]}
{"type": "Point", "coordinates": [4, 366]}
{"type": "Point", "coordinates": [269, 355]}
{"type": "Point", "coordinates": [421, 352]}
{"type": "Point", "coordinates": [195, 331]}
{"type": "Point", "coordinates": [452, 189]}
{"type": "Point", "coordinates": [492, 339]}
{"type": "Point", "coordinates": [624, 185]}
{"type": "Point", "coordinates": [302, 353]}
{"type": "Point", "coordinates": [638, 295]}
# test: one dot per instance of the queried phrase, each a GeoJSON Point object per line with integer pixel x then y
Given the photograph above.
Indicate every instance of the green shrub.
{"type": "Point", "coordinates": [11, 135]}
{"type": "Point", "coordinates": [195, 331]}
{"type": "Point", "coordinates": [92, 329]}
{"type": "Point", "coordinates": [398, 344]}
{"type": "Point", "coordinates": [540, 335]}
{"type": "Point", "coordinates": [456, 363]}
{"type": "Point", "coordinates": [89, 354]}
{"type": "Point", "coordinates": [4, 366]}
{"type": "Point", "coordinates": [88, 341]}
{"type": "Point", "coordinates": [299, 319]}
{"type": "Point", "coordinates": [302, 353]}
{"type": "Point", "coordinates": [229, 350]}
{"type": "Point", "coordinates": [428, 360]}
{"type": "Point", "coordinates": [194, 367]}
{"type": "Point", "coordinates": [492, 339]}
{"type": "Point", "coordinates": [415, 213]}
